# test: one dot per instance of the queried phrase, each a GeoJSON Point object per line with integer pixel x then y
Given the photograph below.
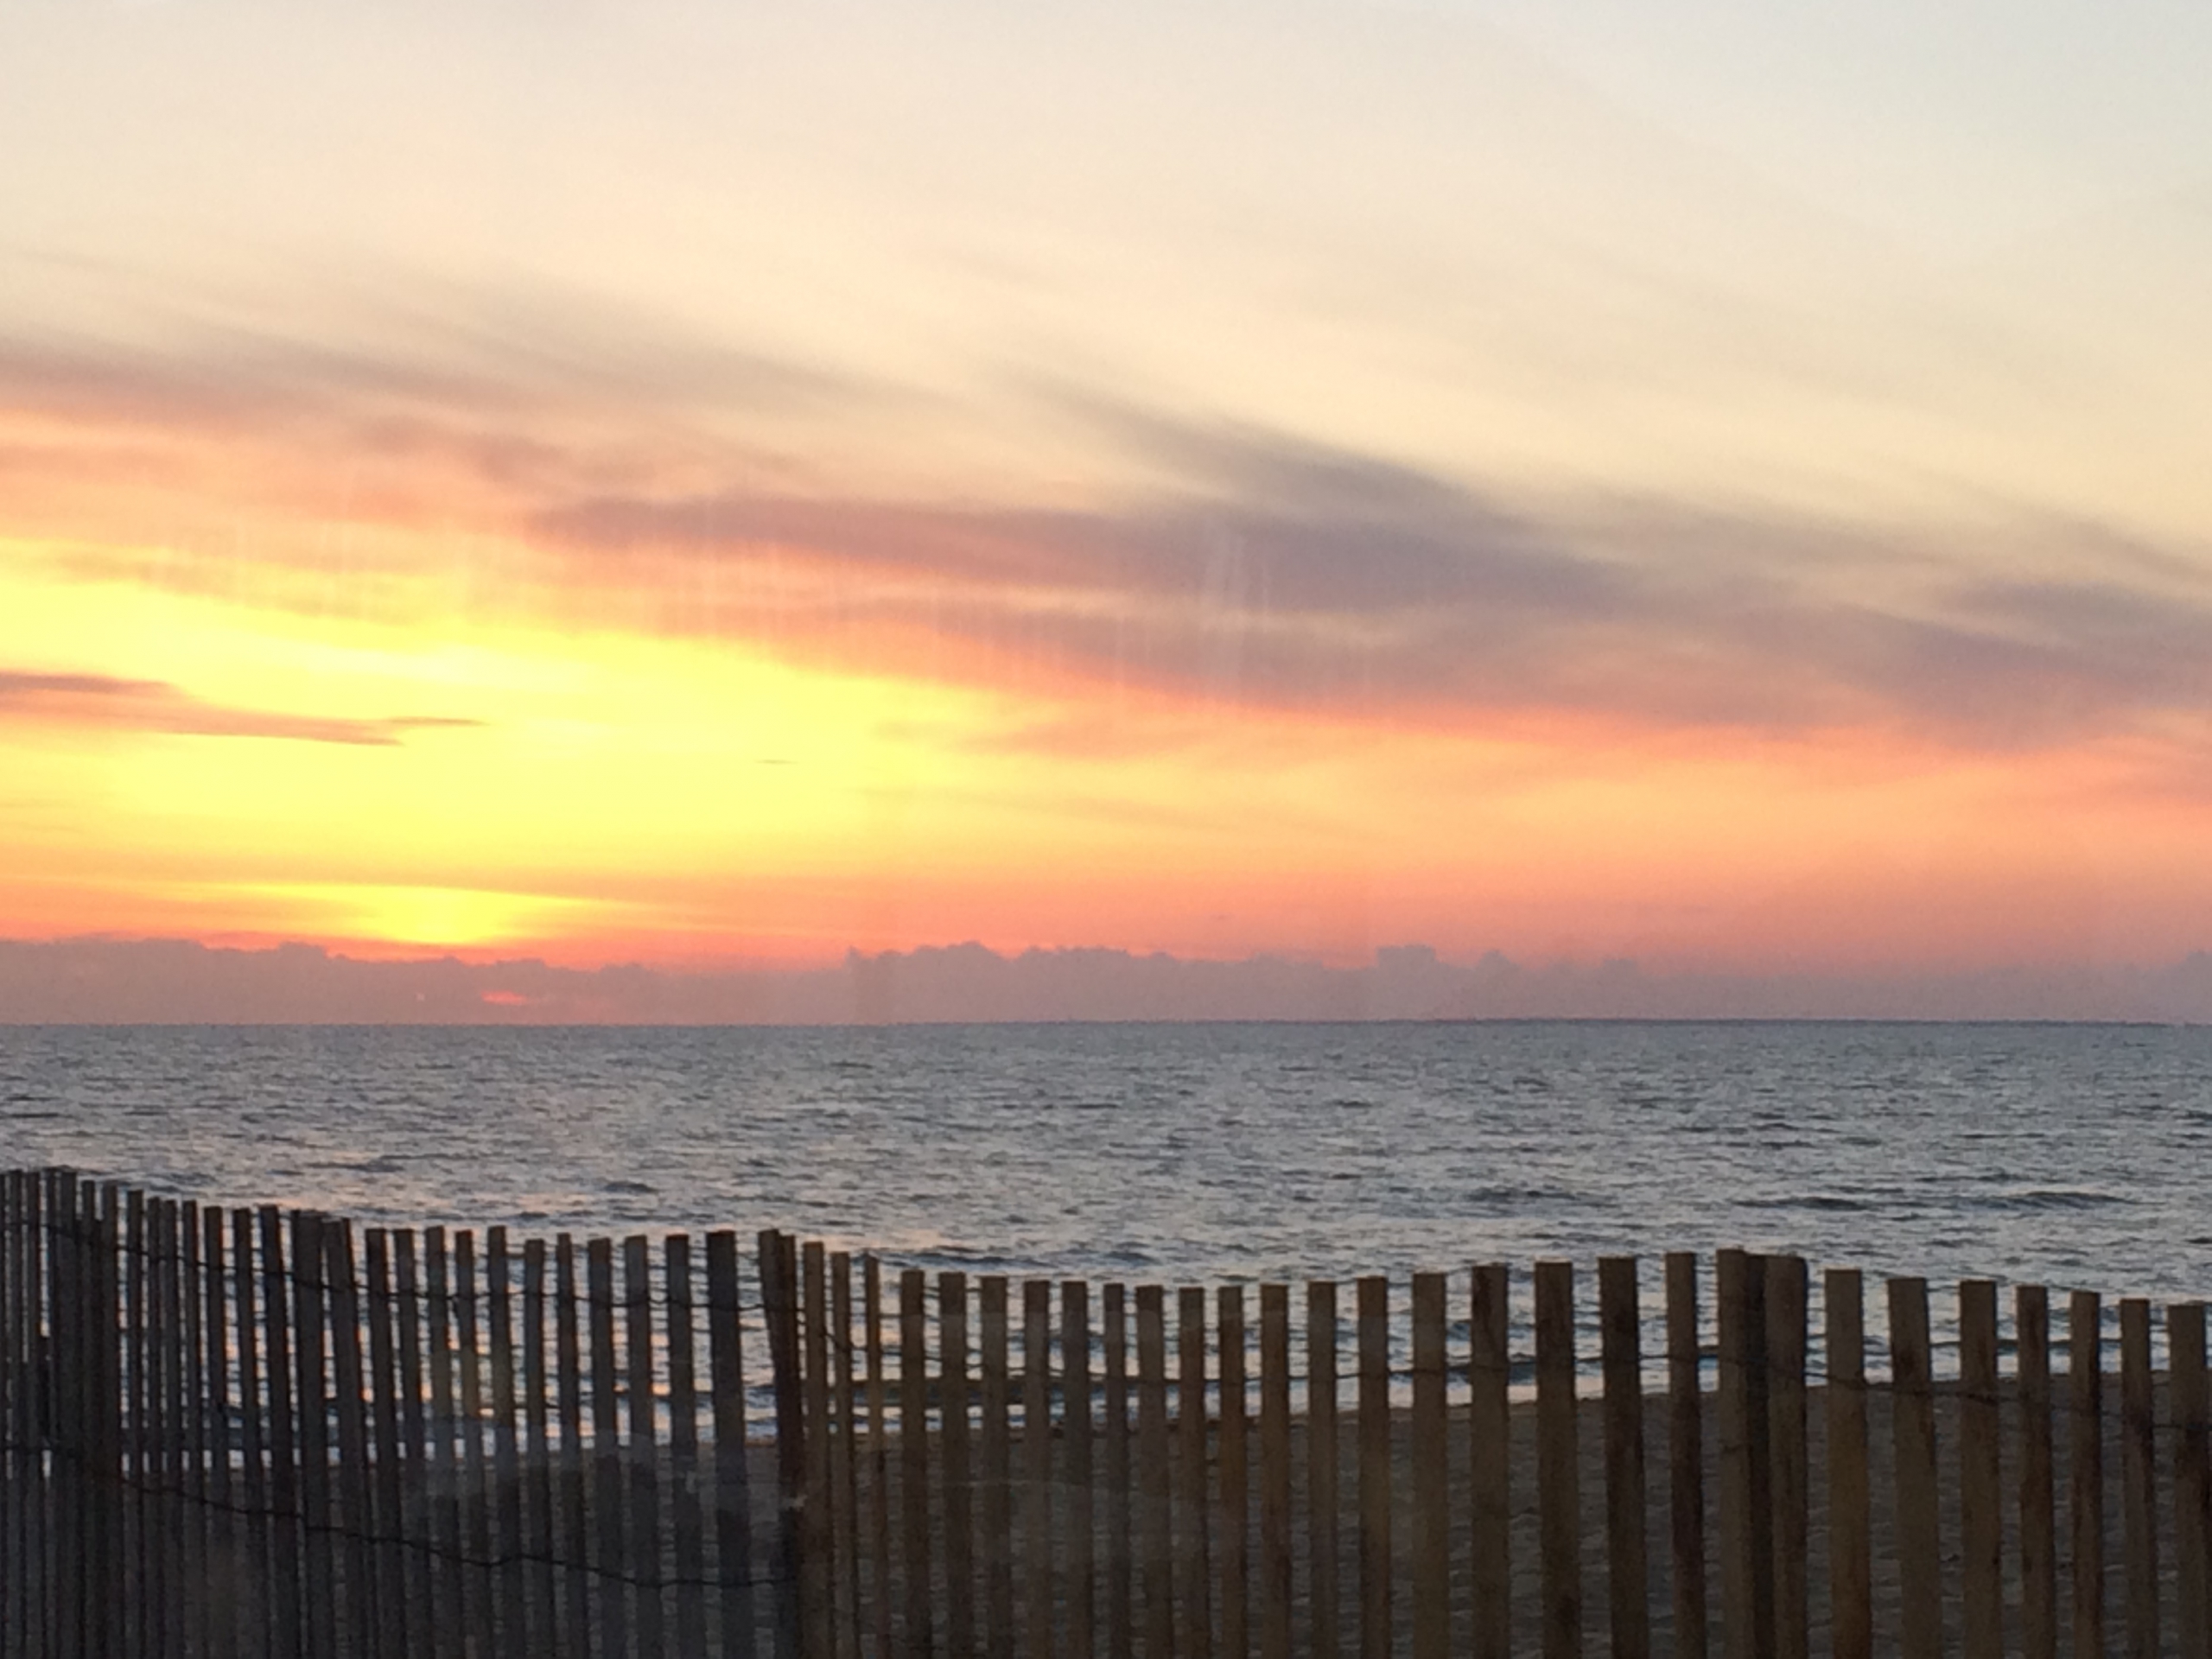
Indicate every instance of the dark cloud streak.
{"type": "Point", "coordinates": [116, 704]}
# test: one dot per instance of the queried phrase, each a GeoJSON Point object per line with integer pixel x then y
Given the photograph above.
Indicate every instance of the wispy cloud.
{"type": "Point", "coordinates": [115, 705]}
{"type": "Point", "coordinates": [1285, 572]}
{"type": "Point", "coordinates": [1255, 568]}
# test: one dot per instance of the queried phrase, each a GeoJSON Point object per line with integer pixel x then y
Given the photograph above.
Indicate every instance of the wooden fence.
{"type": "Point", "coordinates": [236, 1433]}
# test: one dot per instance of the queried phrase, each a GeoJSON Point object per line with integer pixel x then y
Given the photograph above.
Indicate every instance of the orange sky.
{"type": "Point", "coordinates": [586, 506]}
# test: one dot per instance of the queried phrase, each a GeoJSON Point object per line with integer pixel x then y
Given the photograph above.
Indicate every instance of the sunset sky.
{"type": "Point", "coordinates": [718, 484]}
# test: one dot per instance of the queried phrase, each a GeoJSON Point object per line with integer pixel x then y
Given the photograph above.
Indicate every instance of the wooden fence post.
{"type": "Point", "coordinates": [2139, 1483]}
{"type": "Point", "coordinates": [1621, 1348]}
{"type": "Point", "coordinates": [1559, 1472]}
{"type": "Point", "coordinates": [1982, 1530]}
{"type": "Point", "coordinates": [1913, 1418]}
{"type": "Point", "coordinates": [1431, 1466]}
{"type": "Point", "coordinates": [1490, 1422]}
{"type": "Point", "coordinates": [1851, 1578]}
{"type": "Point", "coordinates": [2192, 1501]}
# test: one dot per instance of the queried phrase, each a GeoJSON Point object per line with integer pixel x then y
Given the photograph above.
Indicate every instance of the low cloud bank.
{"type": "Point", "coordinates": [177, 982]}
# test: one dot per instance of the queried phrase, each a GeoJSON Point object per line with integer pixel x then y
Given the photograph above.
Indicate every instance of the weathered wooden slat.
{"type": "Point", "coordinates": [1323, 1601]}
{"type": "Point", "coordinates": [388, 1477]}
{"type": "Point", "coordinates": [1430, 1434]}
{"type": "Point", "coordinates": [2038, 1523]}
{"type": "Point", "coordinates": [608, 1556]}
{"type": "Point", "coordinates": [643, 1544]}
{"type": "Point", "coordinates": [1155, 1545]}
{"type": "Point", "coordinates": [779, 1259]}
{"type": "Point", "coordinates": [542, 1623]}
{"type": "Point", "coordinates": [319, 1489]}
{"type": "Point", "coordinates": [2192, 1498]}
{"type": "Point", "coordinates": [419, 1617]}
{"type": "Point", "coordinates": [479, 1577]}
{"type": "Point", "coordinates": [687, 1515]}
{"type": "Point", "coordinates": [999, 1636]}
{"type": "Point", "coordinates": [255, 1634]}
{"type": "Point", "coordinates": [737, 1608]}
{"type": "Point", "coordinates": [953, 1386]}
{"type": "Point", "coordinates": [200, 1518]}
{"type": "Point", "coordinates": [2086, 1468]}
{"type": "Point", "coordinates": [1981, 1529]}
{"type": "Point", "coordinates": [918, 1629]}
{"type": "Point", "coordinates": [1078, 1515]}
{"type": "Point", "coordinates": [844, 1463]}
{"type": "Point", "coordinates": [1490, 1425]}
{"type": "Point", "coordinates": [1791, 1485]}
{"type": "Point", "coordinates": [226, 1576]}
{"type": "Point", "coordinates": [1193, 1533]}
{"type": "Point", "coordinates": [1114, 1474]}
{"type": "Point", "coordinates": [363, 1616]}
{"type": "Point", "coordinates": [1685, 1456]}
{"type": "Point", "coordinates": [1851, 1580]}
{"type": "Point", "coordinates": [1038, 1587]}
{"type": "Point", "coordinates": [574, 1547]}
{"type": "Point", "coordinates": [1559, 1506]}
{"type": "Point", "coordinates": [1746, 1561]}
{"type": "Point", "coordinates": [1620, 1327]}
{"type": "Point", "coordinates": [2138, 1477]}
{"type": "Point", "coordinates": [818, 1536]}
{"type": "Point", "coordinates": [1913, 1434]}
{"type": "Point", "coordinates": [510, 1574]}
{"type": "Point", "coordinates": [174, 1614]}
{"type": "Point", "coordinates": [1274, 1472]}
{"type": "Point", "coordinates": [1375, 1494]}
{"type": "Point", "coordinates": [879, 1462]}
{"type": "Point", "coordinates": [287, 1634]}
{"type": "Point", "coordinates": [448, 1589]}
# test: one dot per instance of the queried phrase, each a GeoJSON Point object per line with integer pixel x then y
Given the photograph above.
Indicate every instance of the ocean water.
{"type": "Point", "coordinates": [2075, 1155]}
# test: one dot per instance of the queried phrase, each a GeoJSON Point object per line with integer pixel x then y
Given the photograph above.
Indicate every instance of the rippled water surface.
{"type": "Point", "coordinates": [2077, 1156]}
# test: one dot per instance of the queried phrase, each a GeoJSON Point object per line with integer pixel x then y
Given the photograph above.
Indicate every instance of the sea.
{"type": "Point", "coordinates": [2077, 1156]}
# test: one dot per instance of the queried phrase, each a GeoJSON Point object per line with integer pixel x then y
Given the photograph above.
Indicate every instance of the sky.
{"type": "Point", "coordinates": [720, 486]}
